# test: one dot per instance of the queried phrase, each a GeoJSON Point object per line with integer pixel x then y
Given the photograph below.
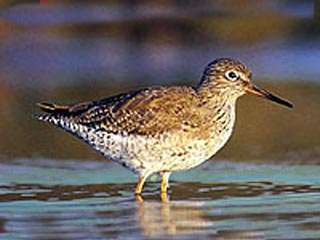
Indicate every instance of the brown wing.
{"type": "Point", "coordinates": [146, 112]}
{"type": "Point", "coordinates": [88, 112]}
{"type": "Point", "coordinates": [142, 112]}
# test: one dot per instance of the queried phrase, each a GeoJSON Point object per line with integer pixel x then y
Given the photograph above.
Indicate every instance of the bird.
{"type": "Point", "coordinates": [162, 129]}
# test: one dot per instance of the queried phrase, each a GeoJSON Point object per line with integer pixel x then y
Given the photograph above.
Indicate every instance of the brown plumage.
{"type": "Point", "coordinates": [142, 112]}
{"type": "Point", "coordinates": [161, 129]}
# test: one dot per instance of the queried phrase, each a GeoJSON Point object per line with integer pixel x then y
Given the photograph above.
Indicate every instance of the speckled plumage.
{"type": "Point", "coordinates": [159, 129]}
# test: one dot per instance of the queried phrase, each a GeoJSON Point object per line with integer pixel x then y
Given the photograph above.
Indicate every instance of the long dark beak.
{"type": "Point", "coordinates": [250, 88]}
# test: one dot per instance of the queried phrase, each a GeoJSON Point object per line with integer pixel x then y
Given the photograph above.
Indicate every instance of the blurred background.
{"type": "Point", "coordinates": [73, 51]}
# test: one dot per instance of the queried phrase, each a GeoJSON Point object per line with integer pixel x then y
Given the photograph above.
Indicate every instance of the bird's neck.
{"type": "Point", "coordinates": [215, 96]}
{"type": "Point", "coordinates": [220, 107]}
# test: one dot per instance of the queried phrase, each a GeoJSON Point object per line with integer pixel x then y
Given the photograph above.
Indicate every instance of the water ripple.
{"type": "Point", "coordinates": [203, 208]}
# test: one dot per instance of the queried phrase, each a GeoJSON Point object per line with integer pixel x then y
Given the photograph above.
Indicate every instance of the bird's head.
{"type": "Point", "coordinates": [232, 79]}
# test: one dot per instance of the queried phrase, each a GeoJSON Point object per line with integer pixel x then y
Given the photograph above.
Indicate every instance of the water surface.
{"type": "Point", "coordinates": [49, 199]}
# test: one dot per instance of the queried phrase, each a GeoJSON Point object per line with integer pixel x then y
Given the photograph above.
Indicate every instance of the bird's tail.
{"type": "Point", "coordinates": [63, 116]}
{"type": "Point", "coordinates": [53, 108]}
{"type": "Point", "coordinates": [53, 114]}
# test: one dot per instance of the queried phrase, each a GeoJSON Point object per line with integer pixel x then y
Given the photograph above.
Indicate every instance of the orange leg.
{"type": "Point", "coordinates": [165, 181]}
{"type": "Point", "coordinates": [164, 186]}
{"type": "Point", "coordinates": [164, 197]}
{"type": "Point", "coordinates": [139, 199]}
{"type": "Point", "coordinates": [140, 184]}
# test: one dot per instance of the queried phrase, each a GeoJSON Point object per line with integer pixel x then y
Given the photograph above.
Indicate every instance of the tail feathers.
{"type": "Point", "coordinates": [56, 114]}
{"type": "Point", "coordinates": [48, 118]}
{"type": "Point", "coordinates": [53, 108]}
{"type": "Point", "coordinates": [61, 114]}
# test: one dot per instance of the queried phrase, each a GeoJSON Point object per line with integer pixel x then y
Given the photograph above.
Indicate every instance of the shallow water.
{"type": "Point", "coordinates": [49, 199]}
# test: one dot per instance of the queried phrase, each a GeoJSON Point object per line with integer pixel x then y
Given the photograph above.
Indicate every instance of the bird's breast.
{"type": "Point", "coordinates": [222, 124]}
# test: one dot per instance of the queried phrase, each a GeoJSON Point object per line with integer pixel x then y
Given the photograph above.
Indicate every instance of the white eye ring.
{"type": "Point", "coordinates": [232, 75]}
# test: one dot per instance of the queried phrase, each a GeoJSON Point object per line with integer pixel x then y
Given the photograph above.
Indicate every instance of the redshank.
{"type": "Point", "coordinates": [162, 129]}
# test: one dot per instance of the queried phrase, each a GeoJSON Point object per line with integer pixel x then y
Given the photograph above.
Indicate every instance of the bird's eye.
{"type": "Point", "coordinates": [232, 75]}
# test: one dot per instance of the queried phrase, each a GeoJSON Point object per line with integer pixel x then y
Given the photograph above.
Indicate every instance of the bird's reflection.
{"type": "Point", "coordinates": [172, 218]}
